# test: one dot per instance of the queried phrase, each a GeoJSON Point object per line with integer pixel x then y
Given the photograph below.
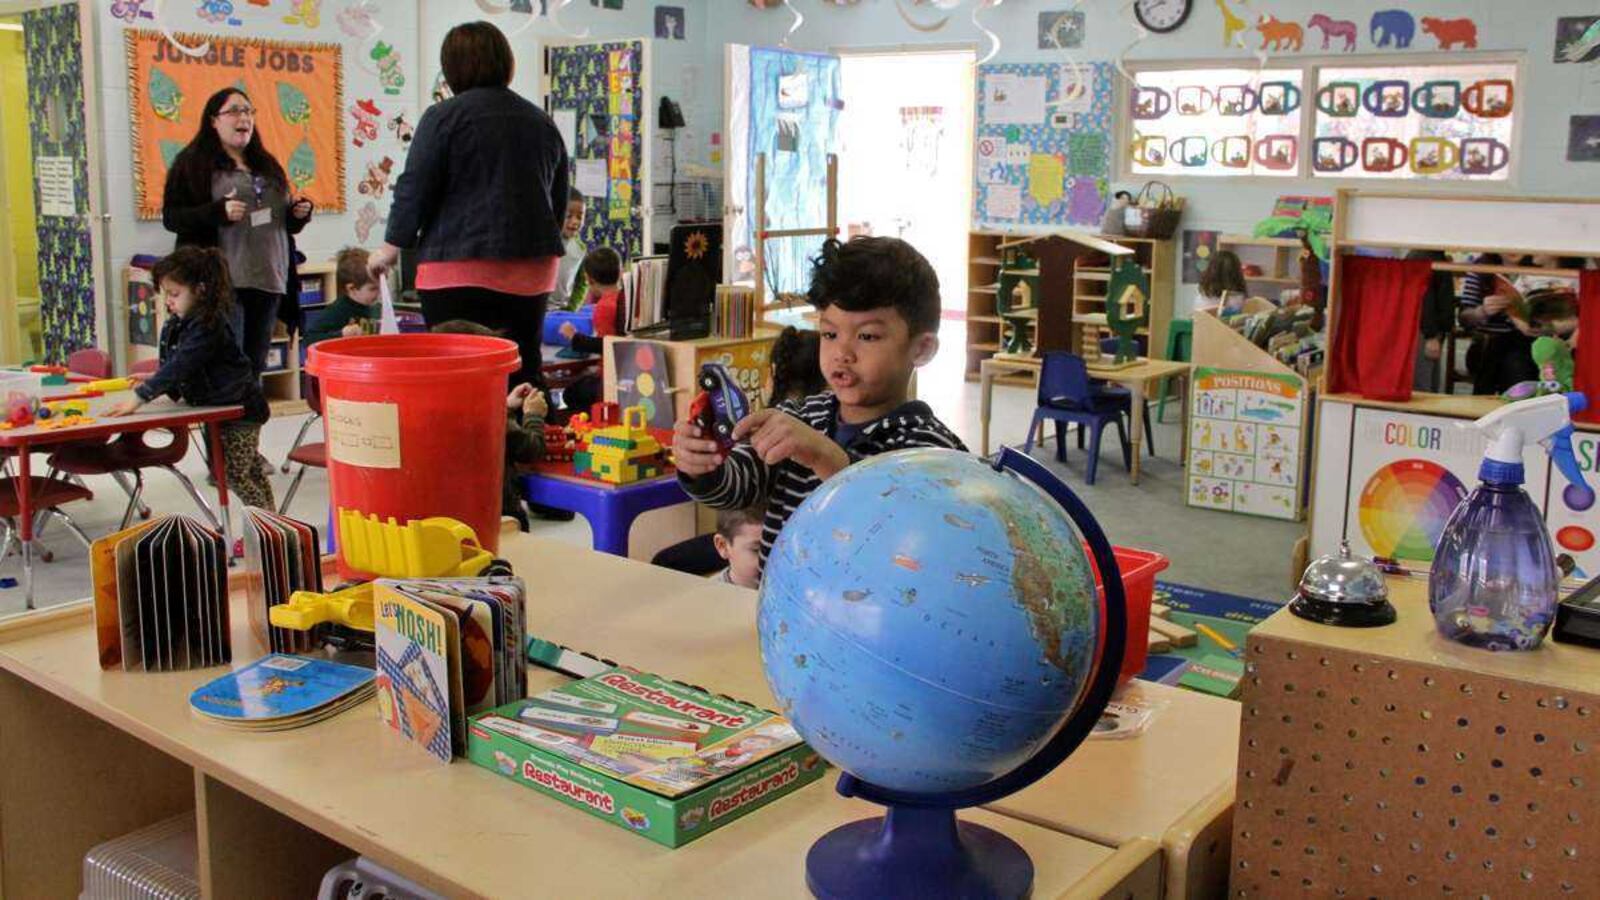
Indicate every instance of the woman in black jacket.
{"type": "Point", "coordinates": [482, 197]}
{"type": "Point", "coordinates": [225, 190]}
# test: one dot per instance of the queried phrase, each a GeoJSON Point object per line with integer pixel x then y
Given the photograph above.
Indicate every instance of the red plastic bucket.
{"type": "Point", "coordinates": [1139, 569]}
{"type": "Point", "coordinates": [415, 426]}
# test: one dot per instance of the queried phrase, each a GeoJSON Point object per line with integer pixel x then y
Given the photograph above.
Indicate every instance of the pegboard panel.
{"type": "Point", "coordinates": [1363, 776]}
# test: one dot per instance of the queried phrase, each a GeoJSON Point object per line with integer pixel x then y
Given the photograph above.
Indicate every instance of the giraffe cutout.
{"type": "Point", "coordinates": [1232, 25]}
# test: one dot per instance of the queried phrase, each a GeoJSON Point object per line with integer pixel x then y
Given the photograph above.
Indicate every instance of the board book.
{"type": "Point", "coordinates": [446, 649]}
{"type": "Point", "coordinates": [662, 759]}
{"type": "Point", "coordinates": [282, 555]}
{"type": "Point", "coordinates": [280, 691]}
{"type": "Point", "coordinates": [161, 597]}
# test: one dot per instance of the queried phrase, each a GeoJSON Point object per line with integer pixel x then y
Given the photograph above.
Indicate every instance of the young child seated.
{"type": "Point", "coordinates": [878, 300]}
{"type": "Point", "coordinates": [1223, 282]}
{"type": "Point", "coordinates": [201, 364]}
{"type": "Point", "coordinates": [602, 267]}
{"type": "Point", "coordinates": [738, 542]}
{"type": "Point", "coordinates": [568, 294]}
{"type": "Point", "coordinates": [358, 292]}
{"type": "Point", "coordinates": [526, 410]}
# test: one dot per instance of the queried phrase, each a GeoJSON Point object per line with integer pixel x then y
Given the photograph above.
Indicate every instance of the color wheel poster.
{"type": "Point", "coordinates": [1407, 475]}
{"type": "Point", "coordinates": [1573, 529]}
{"type": "Point", "coordinates": [1244, 442]}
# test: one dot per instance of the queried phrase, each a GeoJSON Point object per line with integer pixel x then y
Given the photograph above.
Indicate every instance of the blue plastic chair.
{"type": "Point", "coordinates": [1066, 395]}
{"type": "Point", "coordinates": [1109, 346]}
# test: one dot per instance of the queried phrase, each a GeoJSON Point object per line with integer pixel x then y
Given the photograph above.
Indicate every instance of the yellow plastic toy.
{"type": "Point", "coordinates": [622, 454]}
{"type": "Point", "coordinates": [435, 547]}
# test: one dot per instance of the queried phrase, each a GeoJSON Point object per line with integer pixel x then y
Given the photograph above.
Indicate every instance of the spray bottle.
{"type": "Point", "coordinates": [1494, 581]}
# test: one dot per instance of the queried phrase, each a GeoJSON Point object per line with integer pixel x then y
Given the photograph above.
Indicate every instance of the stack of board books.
{"type": "Point", "coordinates": [282, 555]}
{"type": "Point", "coordinates": [733, 313]}
{"type": "Point", "coordinates": [161, 597]}
{"type": "Point", "coordinates": [447, 649]}
{"type": "Point", "coordinates": [279, 692]}
{"type": "Point", "coordinates": [665, 760]}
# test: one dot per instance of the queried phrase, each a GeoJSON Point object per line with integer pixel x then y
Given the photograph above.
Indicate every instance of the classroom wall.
{"type": "Point", "coordinates": [327, 231]}
{"type": "Point", "coordinates": [1548, 94]}
{"type": "Point", "coordinates": [18, 153]}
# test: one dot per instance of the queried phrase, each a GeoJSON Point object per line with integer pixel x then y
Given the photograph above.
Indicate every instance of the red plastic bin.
{"type": "Point", "coordinates": [1139, 569]}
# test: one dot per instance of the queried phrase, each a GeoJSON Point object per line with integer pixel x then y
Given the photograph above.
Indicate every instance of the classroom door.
{"type": "Point", "coordinates": [785, 105]}
{"type": "Point", "coordinates": [598, 95]}
{"type": "Point", "coordinates": [47, 269]}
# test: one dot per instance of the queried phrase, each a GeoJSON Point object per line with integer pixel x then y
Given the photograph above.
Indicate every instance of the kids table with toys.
{"type": "Point", "coordinates": [275, 813]}
{"type": "Point", "coordinates": [24, 494]}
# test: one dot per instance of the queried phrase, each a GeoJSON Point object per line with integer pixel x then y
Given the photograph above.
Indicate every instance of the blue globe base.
{"type": "Point", "coordinates": [913, 852]}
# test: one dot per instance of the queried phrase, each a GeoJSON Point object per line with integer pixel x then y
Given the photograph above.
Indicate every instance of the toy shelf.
{"type": "Point", "coordinates": [1089, 281]}
{"type": "Point", "coordinates": [1278, 259]}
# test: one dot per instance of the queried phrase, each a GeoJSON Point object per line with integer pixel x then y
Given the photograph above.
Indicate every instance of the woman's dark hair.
{"type": "Point", "coordinates": [474, 55]}
{"type": "Point", "coordinates": [796, 365]}
{"type": "Point", "coordinates": [204, 271]}
{"type": "Point", "coordinates": [204, 155]}
{"type": "Point", "coordinates": [874, 273]}
{"type": "Point", "coordinates": [1223, 273]}
{"type": "Point", "coordinates": [602, 265]}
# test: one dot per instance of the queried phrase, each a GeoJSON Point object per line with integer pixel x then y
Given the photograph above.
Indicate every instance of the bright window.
{"type": "Point", "coordinates": [1216, 122]}
{"type": "Point", "coordinates": [1434, 122]}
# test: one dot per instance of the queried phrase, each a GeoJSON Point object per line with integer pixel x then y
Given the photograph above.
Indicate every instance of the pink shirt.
{"type": "Point", "coordinates": [519, 277]}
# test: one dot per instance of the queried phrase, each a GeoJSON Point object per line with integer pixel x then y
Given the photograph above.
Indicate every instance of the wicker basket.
{"type": "Point", "coordinates": [1152, 216]}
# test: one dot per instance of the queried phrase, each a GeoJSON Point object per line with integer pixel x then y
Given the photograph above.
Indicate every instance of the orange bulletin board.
{"type": "Point", "coordinates": [295, 87]}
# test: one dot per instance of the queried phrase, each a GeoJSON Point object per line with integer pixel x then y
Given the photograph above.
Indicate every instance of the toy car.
{"type": "Point", "coordinates": [720, 404]}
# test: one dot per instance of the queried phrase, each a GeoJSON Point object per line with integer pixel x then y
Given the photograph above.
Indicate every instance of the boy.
{"type": "Point", "coordinates": [524, 434]}
{"type": "Point", "coordinates": [738, 542]}
{"type": "Point", "coordinates": [358, 291]}
{"type": "Point", "coordinates": [602, 269]}
{"type": "Point", "coordinates": [567, 295]}
{"type": "Point", "coordinates": [878, 300]}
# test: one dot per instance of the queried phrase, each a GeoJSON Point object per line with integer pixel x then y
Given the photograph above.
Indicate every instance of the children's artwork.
{"type": "Point", "coordinates": [359, 20]}
{"type": "Point", "coordinates": [1583, 139]}
{"type": "Point", "coordinates": [366, 114]}
{"type": "Point", "coordinates": [1245, 433]}
{"type": "Point", "coordinates": [1577, 39]}
{"type": "Point", "coordinates": [602, 86]}
{"type": "Point", "coordinates": [1280, 35]}
{"type": "Point", "coordinates": [643, 378]}
{"type": "Point", "coordinates": [1332, 29]}
{"type": "Point", "coordinates": [367, 217]}
{"type": "Point", "coordinates": [669, 23]}
{"type": "Point", "coordinates": [217, 12]}
{"type": "Point", "coordinates": [296, 88]}
{"type": "Point", "coordinates": [1059, 30]}
{"type": "Point", "coordinates": [306, 13]}
{"type": "Point", "coordinates": [376, 184]}
{"type": "Point", "coordinates": [1228, 121]}
{"type": "Point", "coordinates": [1451, 33]}
{"type": "Point", "coordinates": [1392, 28]}
{"type": "Point", "coordinates": [1233, 26]}
{"type": "Point", "coordinates": [388, 62]}
{"type": "Point", "coordinates": [1198, 249]}
{"type": "Point", "coordinates": [132, 10]}
{"type": "Point", "coordinates": [1043, 136]}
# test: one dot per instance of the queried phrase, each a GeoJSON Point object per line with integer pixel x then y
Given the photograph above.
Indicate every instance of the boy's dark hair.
{"type": "Point", "coordinates": [575, 196]}
{"type": "Point", "coordinates": [464, 326]}
{"type": "Point", "coordinates": [876, 272]}
{"type": "Point", "coordinates": [729, 521]}
{"type": "Point", "coordinates": [1223, 273]}
{"type": "Point", "coordinates": [602, 265]}
{"type": "Point", "coordinates": [473, 55]}
{"type": "Point", "coordinates": [796, 365]}
{"type": "Point", "coordinates": [351, 268]}
{"type": "Point", "coordinates": [204, 271]}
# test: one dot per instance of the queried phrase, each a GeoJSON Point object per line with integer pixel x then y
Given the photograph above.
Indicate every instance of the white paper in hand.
{"type": "Point", "coordinates": [388, 323]}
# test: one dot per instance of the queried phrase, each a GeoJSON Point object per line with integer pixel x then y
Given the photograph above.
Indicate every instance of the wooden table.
{"type": "Point", "coordinates": [88, 755]}
{"type": "Point", "coordinates": [1135, 377]}
{"type": "Point", "coordinates": [162, 413]}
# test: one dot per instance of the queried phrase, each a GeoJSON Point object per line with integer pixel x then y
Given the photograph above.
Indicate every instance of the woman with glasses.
{"type": "Point", "coordinates": [225, 190]}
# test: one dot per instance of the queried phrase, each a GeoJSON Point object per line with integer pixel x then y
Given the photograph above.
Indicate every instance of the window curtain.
{"type": "Point", "coordinates": [1380, 318]}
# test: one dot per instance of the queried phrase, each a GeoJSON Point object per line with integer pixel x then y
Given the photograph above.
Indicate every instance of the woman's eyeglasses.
{"type": "Point", "coordinates": [235, 112]}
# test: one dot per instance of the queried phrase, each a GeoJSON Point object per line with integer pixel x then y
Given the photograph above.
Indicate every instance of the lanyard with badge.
{"type": "Point", "coordinates": [262, 215]}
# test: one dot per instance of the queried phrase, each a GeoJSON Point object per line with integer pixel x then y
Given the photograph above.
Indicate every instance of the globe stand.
{"type": "Point", "coordinates": [917, 852]}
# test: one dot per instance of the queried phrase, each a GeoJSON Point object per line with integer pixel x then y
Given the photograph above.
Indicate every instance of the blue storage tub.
{"type": "Point", "coordinates": [583, 319]}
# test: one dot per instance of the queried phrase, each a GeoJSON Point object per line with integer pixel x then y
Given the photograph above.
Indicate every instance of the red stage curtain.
{"type": "Point", "coordinates": [1380, 316]}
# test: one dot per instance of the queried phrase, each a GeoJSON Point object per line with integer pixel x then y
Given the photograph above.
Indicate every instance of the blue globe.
{"type": "Point", "coordinates": [927, 622]}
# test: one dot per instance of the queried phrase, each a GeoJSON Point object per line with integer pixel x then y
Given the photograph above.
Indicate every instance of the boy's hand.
{"type": "Point", "coordinates": [351, 329]}
{"type": "Point", "coordinates": [518, 395]}
{"type": "Point", "coordinates": [777, 436]}
{"type": "Point", "coordinates": [124, 407]}
{"type": "Point", "coordinates": [534, 405]}
{"type": "Point", "coordinates": [694, 454]}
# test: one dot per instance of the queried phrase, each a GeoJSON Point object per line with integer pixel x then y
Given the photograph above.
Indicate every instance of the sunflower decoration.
{"type": "Point", "coordinates": [696, 245]}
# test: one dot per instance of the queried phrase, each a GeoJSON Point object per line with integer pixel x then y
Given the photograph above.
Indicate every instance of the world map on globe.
{"type": "Point", "coordinates": [928, 622]}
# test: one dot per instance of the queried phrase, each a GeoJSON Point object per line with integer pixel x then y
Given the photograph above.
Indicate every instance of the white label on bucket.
{"type": "Point", "coordinates": [363, 434]}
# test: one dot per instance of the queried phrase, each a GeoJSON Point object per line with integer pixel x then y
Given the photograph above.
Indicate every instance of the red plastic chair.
{"type": "Point", "coordinates": [48, 496]}
{"type": "Point", "coordinates": [91, 361]}
{"type": "Point", "coordinates": [313, 396]}
{"type": "Point", "coordinates": [307, 455]}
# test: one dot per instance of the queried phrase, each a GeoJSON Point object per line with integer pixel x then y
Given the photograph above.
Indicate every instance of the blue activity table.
{"type": "Point", "coordinates": [610, 509]}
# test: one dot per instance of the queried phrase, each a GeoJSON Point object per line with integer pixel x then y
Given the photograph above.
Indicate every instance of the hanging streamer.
{"type": "Point", "coordinates": [166, 32]}
{"type": "Point", "coordinates": [555, 12]}
{"type": "Point", "coordinates": [795, 26]}
{"type": "Point", "coordinates": [900, 7]}
{"type": "Point", "coordinates": [994, 39]}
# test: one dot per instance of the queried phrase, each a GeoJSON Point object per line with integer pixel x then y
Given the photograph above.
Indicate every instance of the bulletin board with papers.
{"type": "Point", "coordinates": [1044, 144]}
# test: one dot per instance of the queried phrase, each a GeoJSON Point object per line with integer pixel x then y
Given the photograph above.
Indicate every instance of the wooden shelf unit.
{"type": "Point", "coordinates": [1278, 258]}
{"type": "Point", "coordinates": [1089, 282]}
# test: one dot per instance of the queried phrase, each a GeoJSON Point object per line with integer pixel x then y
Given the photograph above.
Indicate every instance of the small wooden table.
{"type": "Point", "coordinates": [1135, 377]}
{"type": "Point", "coordinates": [162, 413]}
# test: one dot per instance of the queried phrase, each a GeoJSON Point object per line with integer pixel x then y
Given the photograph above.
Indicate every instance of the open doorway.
{"type": "Point", "coordinates": [21, 338]}
{"type": "Point", "coordinates": [905, 155]}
